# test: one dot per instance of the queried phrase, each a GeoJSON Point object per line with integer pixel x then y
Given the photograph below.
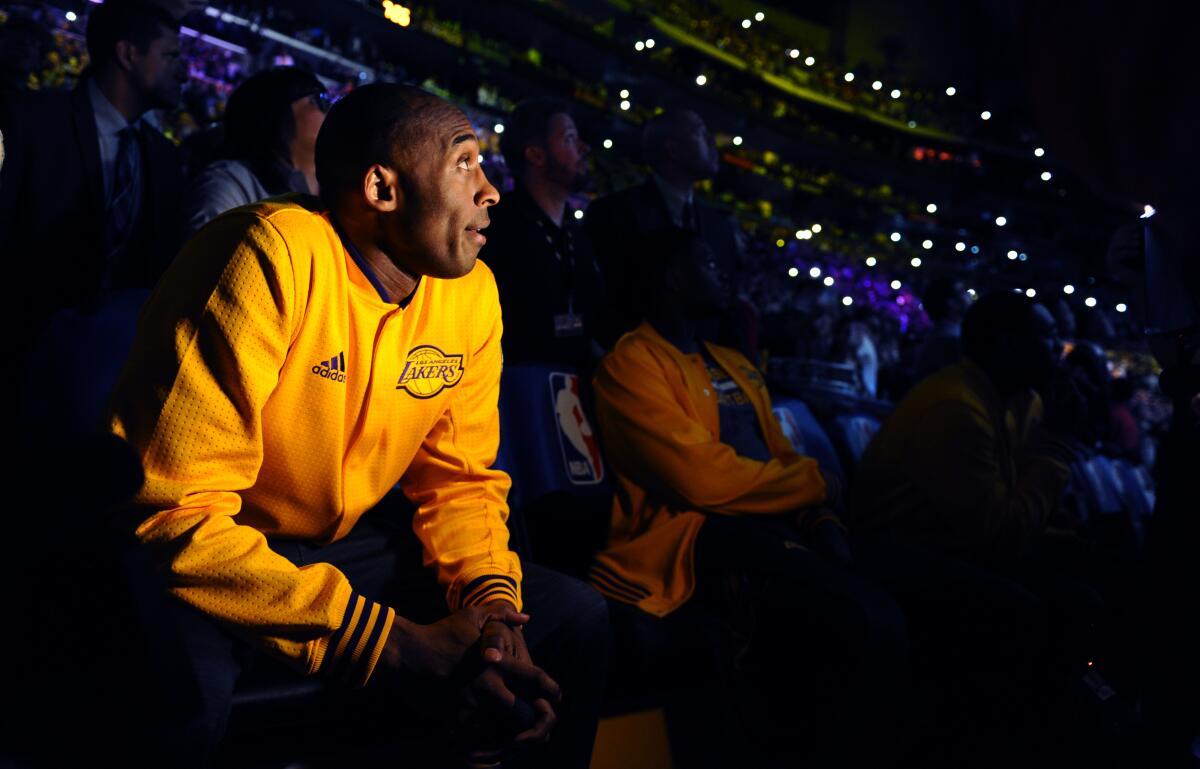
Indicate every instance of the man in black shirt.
{"type": "Point", "coordinates": [550, 288]}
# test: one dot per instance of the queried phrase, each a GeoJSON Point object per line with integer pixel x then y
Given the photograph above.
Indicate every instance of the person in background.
{"type": "Point", "coordinates": [946, 302]}
{"type": "Point", "coordinates": [268, 146]}
{"type": "Point", "coordinates": [550, 287]}
{"type": "Point", "coordinates": [710, 490]}
{"type": "Point", "coordinates": [680, 151]}
{"type": "Point", "coordinates": [89, 185]}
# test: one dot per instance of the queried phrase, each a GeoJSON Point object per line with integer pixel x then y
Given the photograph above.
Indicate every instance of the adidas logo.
{"type": "Point", "coordinates": [333, 369]}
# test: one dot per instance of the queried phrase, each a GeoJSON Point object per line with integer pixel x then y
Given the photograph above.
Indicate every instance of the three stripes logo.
{"type": "Point", "coordinates": [333, 369]}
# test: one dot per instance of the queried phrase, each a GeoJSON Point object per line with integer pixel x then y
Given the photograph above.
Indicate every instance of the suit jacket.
{"type": "Point", "coordinates": [52, 205]}
{"type": "Point", "coordinates": [616, 223]}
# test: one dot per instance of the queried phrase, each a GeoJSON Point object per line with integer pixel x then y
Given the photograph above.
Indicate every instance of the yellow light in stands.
{"type": "Point", "coordinates": [396, 13]}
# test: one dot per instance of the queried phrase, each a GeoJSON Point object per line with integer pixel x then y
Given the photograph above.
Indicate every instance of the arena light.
{"type": "Point", "coordinates": [625, 105]}
{"type": "Point", "coordinates": [1001, 221]}
{"type": "Point", "coordinates": [1047, 176]}
{"type": "Point", "coordinates": [649, 42]}
{"type": "Point", "coordinates": [1031, 293]}
{"type": "Point", "coordinates": [803, 234]}
{"type": "Point", "coordinates": [737, 141]}
{"type": "Point", "coordinates": [926, 244]}
{"type": "Point", "coordinates": [70, 16]}
{"type": "Point", "coordinates": [814, 272]}
{"type": "Point", "coordinates": [916, 261]}
{"type": "Point", "coordinates": [895, 284]}
{"type": "Point", "coordinates": [1012, 256]}
{"type": "Point", "coordinates": [578, 214]}
{"type": "Point", "coordinates": [816, 228]}
{"type": "Point", "coordinates": [624, 93]}
{"type": "Point", "coordinates": [847, 300]}
{"type": "Point", "coordinates": [701, 79]}
{"type": "Point", "coordinates": [895, 237]}
{"type": "Point", "coordinates": [608, 144]}
{"type": "Point", "coordinates": [639, 46]}
{"type": "Point", "coordinates": [1090, 301]}
{"type": "Point", "coordinates": [498, 128]}
{"type": "Point", "coordinates": [985, 115]}
{"type": "Point", "coordinates": [1120, 307]}
{"type": "Point", "coordinates": [828, 280]}
{"type": "Point", "coordinates": [876, 86]}
{"type": "Point", "coordinates": [396, 13]}
{"type": "Point", "coordinates": [781, 242]}
{"type": "Point", "coordinates": [793, 272]}
{"type": "Point", "coordinates": [760, 16]}
{"type": "Point", "coordinates": [971, 291]}
{"type": "Point", "coordinates": [931, 208]}
{"type": "Point", "coordinates": [794, 53]}
{"type": "Point", "coordinates": [895, 93]}
{"type": "Point", "coordinates": [809, 61]}
{"type": "Point", "coordinates": [1068, 289]}
{"type": "Point", "coordinates": [871, 261]}
{"type": "Point", "coordinates": [745, 24]}
{"type": "Point", "coordinates": [960, 246]}
{"type": "Point", "coordinates": [974, 249]}
{"type": "Point", "coordinates": [1038, 152]}
{"type": "Point", "coordinates": [951, 90]}
{"type": "Point", "coordinates": [848, 77]}
{"type": "Point", "coordinates": [1147, 212]}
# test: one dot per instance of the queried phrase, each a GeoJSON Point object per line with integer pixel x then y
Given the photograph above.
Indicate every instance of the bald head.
{"type": "Point", "coordinates": [677, 143]}
{"type": "Point", "coordinates": [381, 123]}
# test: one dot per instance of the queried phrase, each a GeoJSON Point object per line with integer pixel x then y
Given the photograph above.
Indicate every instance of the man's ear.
{"type": "Point", "coordinates": [125, 55]}
{"type": "Point", "coordinates": [535, 155]}
{"type": "Point", "coordinates": [381, 188]}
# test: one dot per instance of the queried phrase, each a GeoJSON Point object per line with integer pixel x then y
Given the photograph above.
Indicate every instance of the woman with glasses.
{"type": "Point", "coordinates": [269, 138]}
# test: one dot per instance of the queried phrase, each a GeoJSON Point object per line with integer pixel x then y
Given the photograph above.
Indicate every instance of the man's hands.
{"type": "Point", "coordinates": [480, 653]}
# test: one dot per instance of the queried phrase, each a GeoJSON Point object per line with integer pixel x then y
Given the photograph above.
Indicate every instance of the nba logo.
{"type": "Point", "coordinates": [580, 450]}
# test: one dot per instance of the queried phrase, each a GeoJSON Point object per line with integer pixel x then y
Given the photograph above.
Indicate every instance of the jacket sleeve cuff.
{"type": "Point", "coordinates": [354, 648]}
{"type": "Point", "coordinates": [488, 588]}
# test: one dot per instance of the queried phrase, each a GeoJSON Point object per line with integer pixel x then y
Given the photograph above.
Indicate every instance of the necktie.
{"type": "Point", "coordinates": [126, 190]}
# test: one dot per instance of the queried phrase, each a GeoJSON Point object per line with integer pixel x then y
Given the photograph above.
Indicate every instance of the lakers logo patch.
{"type": "Point", "coordinates": [428, 371]}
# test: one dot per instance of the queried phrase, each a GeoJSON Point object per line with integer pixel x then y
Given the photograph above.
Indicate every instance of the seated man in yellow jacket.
{"type": "Point", "coordinates": [709, 488]}
{"type": "Point", "coordinates": [966, 465]}
{"type": "Point", "coordinates": [301, 357]}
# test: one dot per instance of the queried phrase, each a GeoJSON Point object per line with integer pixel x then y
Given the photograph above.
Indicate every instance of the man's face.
{"type": "Point", "coordinates": [308, 113]}
{"type": "Point", "coordinates": [694, 148]}
{"type": "Point", "coordinates": [158, 71]}
{"type": "Point", "coordinates": [435, 230]}
{"type": "Point", "coordinates": [566, 155]}
{"type": "Point", "coordinates": [1041, 348]}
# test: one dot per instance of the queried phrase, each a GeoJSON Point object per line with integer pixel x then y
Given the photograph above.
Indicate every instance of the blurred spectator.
{"type": "Point", "coordinates": [1125, 432]}
{"type": "Point", "coordinates": [24, 46]}
{"type": "Point", "coordinates": [270, 136]}
{"type": "Point", "coordinates": [679, 149]}
{"type": "Point", "coordinates": [709, 490]}
{"type": "Point", "coordinates": [550, 287]}
{"type": "Point", "coordinates": [90, 191]}
{"type": "Point", "coordinates": [966, 464]}
{"type": "Point", "coordinates": [946, 301]}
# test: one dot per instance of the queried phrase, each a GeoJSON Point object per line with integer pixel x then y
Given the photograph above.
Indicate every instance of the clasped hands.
{"type": "Point", "coordinates": [479, 653]}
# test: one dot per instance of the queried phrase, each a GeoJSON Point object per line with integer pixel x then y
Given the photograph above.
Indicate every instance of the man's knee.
{"type": "Point", "coordinates": [571, 607]}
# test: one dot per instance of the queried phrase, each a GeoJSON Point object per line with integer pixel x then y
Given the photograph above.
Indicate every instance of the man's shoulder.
{"type": "Point", "coordinates": [624, 198]}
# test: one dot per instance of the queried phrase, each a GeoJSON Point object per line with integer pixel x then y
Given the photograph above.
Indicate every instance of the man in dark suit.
{"type": "Point", "coordinates": [680, 151]}
{"type": "Point", "coordinates": [546, 274]}
{"type": "Point", "coordinates": [89, 194]}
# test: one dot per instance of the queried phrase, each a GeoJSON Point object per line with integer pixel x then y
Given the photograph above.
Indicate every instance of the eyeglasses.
{"type": "Point", "coordinates": [321, 100]}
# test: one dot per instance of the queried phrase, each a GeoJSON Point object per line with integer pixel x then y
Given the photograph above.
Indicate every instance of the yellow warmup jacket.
{"type": "Point", "coordinates": [661, 431]}
{"type": "Point", "coordinates": [961, 471]}
{"type": "Point", "coordinates": [272, 392]}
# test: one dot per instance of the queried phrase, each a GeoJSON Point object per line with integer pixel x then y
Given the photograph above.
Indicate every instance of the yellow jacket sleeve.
{"type": "Point", "coordinates": [462, 509]}
{"type": "Point", "coordinates": [210, 348]}
{"type": "Point", "coordinates": [655, 435]}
